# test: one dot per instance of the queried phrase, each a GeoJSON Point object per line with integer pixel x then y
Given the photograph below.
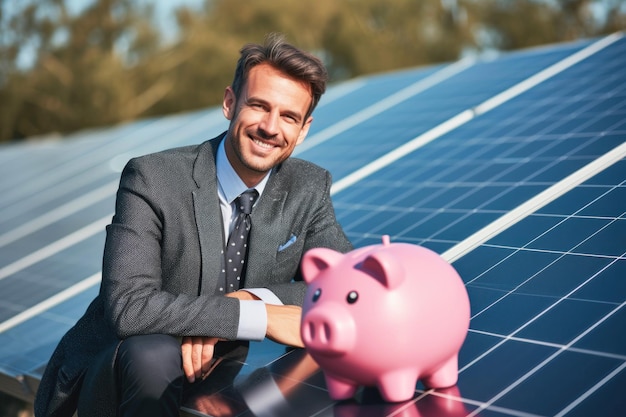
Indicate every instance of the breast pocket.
{"type": "Point", "coordinates": [288, 255]}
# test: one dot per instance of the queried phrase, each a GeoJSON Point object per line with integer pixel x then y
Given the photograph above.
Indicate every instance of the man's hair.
{"type": "Point", "coordinates": [286, 58]}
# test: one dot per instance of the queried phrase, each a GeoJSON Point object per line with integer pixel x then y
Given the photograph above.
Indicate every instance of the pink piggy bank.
{"type": "Point", "coordinates": [383, 315]}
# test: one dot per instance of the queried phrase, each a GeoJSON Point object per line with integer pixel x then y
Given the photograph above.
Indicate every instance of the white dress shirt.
{"type": "Point", "coordinates": [253, 315]}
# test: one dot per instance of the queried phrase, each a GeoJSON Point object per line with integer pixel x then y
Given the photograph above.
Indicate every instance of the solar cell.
{"type": "Point", "coordinates": [513, 169]}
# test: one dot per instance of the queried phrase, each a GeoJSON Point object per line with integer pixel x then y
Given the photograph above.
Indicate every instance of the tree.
{"type": "Point", "coordinates": [78, 77]}
{"type": "Point", "coordinates": [109, 63]}
{"type": "Point", "coordinates": [514, 24]}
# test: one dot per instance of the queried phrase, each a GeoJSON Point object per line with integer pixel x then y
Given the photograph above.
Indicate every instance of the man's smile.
{"type": "Point", "coordinates": [262, 143]}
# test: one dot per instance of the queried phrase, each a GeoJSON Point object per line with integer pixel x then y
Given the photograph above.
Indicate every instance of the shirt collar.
{"type": "Point", "coordinates": [230, 185]}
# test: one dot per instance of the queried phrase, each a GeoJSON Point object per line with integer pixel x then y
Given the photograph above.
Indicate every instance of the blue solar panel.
{"type": "Point", "coordinates": [557, 298]}
{"type": "Point", "coordinates": [432, 98]}
{"type": "Point", "coordinates": [512, 168]}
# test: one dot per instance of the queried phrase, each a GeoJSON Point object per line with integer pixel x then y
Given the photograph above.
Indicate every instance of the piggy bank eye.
{"type": "Point", "coordinates": [316, 294]}
{"type": "Point", "coordinates": [352, 297]}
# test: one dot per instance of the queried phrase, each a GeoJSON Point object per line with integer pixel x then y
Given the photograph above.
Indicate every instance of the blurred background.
{"type": "Point", "coordinates": [67, 65]}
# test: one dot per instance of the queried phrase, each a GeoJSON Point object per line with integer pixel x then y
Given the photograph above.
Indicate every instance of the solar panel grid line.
{"type": "Point", "coordinates": [36, 156]}
{"type": "Point", "coordinates": [469, 401]}
{"type": "Point", "coordinates": [590, 391]}
{"type": "Point", "coordinates": [546, 267]}
{"type": "Point", "coordinates": [59, 212]}
{"type": "Point", "coordinates": [70, 150]}
{"type": "Point", "coordinates": [64, 211]}
{"type": "Point", "coordinates": [391, 125]}
{"type": "Point", "coordinates": [185, 133]}
{"type": "Point", "coordinates": [590, 352]}
{"type": "Point", "coordinates": [439, 189]}
{"type": "Point", "coordinates": [569, 345]}
{"type": "Point", "coordinates": [546, 310]}
{"type": "Point", "coordinates": [147, 137]}
{"type": "Point", "coordinates": [469, 114]}
{"type": "Point", "coordinates": [21, 205]}
{"type": "Point", "coordinates": [561, 254]}
{"type": "Point", "coordinates": [535, 203]}
{"type": "Point", "coordinates": [401, 151]}
{"type": "Point", "coordinates": [385, 104]}
{"type": "Point", "coordinates": [500, 410]}
{"type": "Point", "coordinates": [545, 232]}
{"type": "Point", "coordinates": [511, 337]}
{"type": "Point", "coordinates": [462, 196]}
{"type": "Point", "coordinates": [51, 302]}
{"type": "Point", "coordinates": [547, 73]}
{"type": "Point", "coordinates": [83, 166]}
{"type": "Point", "coordinates": [543, 363]}
{"type": "Point", "coordinates": [55, 247]}
{"type": "Point", "coordinates": [338, 91]}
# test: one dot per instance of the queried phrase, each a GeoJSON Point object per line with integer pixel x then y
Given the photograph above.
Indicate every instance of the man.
{"type": "Point", "coordinates": [164, 304]}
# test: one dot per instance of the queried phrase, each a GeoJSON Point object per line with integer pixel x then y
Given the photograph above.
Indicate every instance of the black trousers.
{"type": "Point", "coordinates": [150, 376]}
{"type": "Point", "coordinates": [147, 374]}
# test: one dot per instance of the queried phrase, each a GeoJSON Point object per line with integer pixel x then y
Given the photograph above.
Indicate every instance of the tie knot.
{"type": "Point", "coordinates": [246, 200]}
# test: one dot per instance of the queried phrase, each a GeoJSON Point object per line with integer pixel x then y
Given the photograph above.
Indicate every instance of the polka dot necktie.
{"type": "Point", "coordinates": [237, 246]}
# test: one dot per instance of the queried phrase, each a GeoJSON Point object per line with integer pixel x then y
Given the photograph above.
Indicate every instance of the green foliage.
{"type": "Point", "coordinates": [110, 63]}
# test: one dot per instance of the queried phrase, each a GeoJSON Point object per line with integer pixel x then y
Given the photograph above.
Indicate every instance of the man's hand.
{"type": "Point", "coordinates": [283, 324]}
{"type": "Point", "coordinates": [197, 355]}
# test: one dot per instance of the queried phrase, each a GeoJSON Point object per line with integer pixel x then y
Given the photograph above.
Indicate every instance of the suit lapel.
{"type": "Point", "coordinates": [266, 216]}
{"type": "Point", "coordinates": [206, 205]}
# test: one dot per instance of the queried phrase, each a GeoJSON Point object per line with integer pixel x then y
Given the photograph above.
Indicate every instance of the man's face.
{"type": "Point", "coordinates": [267, 121]}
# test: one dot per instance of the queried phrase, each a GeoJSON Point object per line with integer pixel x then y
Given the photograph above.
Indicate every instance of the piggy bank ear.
{"type": "Point", "coordinates": [385, 267]}
{"type": "Point", "coordinates": [317, 260]}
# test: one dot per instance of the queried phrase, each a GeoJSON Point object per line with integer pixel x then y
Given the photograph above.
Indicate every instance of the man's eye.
{"type": "Point", "coordinates": [291, 118]}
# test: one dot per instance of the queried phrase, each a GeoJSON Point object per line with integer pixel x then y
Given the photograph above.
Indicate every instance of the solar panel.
{"type": "Point", "coordinates": [512, 168]}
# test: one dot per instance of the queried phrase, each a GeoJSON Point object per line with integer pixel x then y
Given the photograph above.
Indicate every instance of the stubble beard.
{"type": "Point", "coordinates": [258, 165]}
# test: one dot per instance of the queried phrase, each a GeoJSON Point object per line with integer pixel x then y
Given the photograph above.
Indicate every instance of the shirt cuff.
{"type": "Point", "coordinates": [264, 294]}
{"type": "Point", "coordinates": [252, 320]}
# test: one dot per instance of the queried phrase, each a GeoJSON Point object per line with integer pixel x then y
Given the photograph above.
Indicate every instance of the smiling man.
{"type": "Point", "coordinates": [170, 294]}
{"type": "Point", "coordinates": [269, 117]}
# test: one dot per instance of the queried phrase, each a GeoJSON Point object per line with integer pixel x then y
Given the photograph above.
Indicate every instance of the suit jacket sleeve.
{"type": "Point", "coordinates": [152, 262]}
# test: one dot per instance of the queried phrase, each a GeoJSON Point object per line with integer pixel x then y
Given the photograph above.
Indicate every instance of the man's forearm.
{"type": "Point", "coordinates": [283, 324]}
{"type": "Point", "coordinates": [259, 319]}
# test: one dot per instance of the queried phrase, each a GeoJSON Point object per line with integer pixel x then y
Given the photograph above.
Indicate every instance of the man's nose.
{"type": "Point", "coordinates": [269, 123]}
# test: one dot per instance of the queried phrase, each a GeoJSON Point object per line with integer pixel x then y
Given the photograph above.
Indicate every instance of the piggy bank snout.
{"type": "Point", "coordinates": [329, 331]}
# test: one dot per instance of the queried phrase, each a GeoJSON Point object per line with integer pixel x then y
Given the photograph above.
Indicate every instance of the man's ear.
{"type": "Point", "coordinates": [229, 103]}
{"type": "Point", "coordinates": [304, 131]}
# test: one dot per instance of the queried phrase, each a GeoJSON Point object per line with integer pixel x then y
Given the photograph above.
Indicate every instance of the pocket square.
{"type": "Point", "coordinates": [288, 243]}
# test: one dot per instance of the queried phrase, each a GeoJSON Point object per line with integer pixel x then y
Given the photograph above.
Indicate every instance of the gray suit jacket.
{"type": "Point", "coordinates": [163, 256]}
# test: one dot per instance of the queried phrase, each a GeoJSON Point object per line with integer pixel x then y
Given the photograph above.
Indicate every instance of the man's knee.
{"type": "Point", "coordinates": [149, 363]}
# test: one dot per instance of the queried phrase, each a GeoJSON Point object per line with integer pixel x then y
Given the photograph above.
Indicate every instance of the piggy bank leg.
{"type": "Point", "coordinates": [397, 386]}
{"type": "Point", "coordinates": [339, 389]}
{"type": "Point", "coordinates": [446, 376]}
